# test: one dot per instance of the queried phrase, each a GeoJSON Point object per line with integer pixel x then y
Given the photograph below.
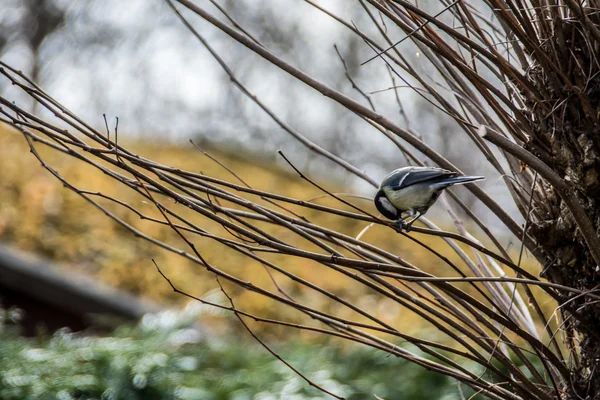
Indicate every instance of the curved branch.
{"type": "Point", "coordinates": [357, 108]}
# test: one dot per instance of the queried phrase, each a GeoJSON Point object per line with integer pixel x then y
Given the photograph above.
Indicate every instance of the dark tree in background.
{"type": "Point", "coordinates": [520, 82]}
{"type": "Point", "coordinates": [37, 20]}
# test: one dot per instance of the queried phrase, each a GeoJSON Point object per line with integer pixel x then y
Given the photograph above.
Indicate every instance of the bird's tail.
{"type": "Point", "coordinates": [459, 180]}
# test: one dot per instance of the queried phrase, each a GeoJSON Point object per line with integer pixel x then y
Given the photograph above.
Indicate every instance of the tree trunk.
{"type": "Point", "coordinates": [569, 141]}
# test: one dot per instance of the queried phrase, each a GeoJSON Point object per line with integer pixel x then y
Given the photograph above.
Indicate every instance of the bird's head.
{"type": "Point", "coordinates": [385, 207]}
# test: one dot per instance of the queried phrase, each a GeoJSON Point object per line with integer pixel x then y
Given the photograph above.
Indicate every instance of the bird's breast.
{"type": "Point", "coordinates": [410, 198]}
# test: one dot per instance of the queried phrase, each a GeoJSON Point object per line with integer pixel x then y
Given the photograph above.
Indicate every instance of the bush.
{"type": "Point", "coordinates": [164, 357]}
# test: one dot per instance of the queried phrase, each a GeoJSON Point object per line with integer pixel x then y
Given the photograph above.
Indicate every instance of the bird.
{"type": "Point", "coordinates": [412, 190]}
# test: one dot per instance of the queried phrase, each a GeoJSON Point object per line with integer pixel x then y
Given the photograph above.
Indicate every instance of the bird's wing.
{"type": "Point", "coordinates": [418, 175]}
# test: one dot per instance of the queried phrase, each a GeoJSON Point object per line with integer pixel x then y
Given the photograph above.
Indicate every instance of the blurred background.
{"type": "Point", "coordinates": [136, 61]}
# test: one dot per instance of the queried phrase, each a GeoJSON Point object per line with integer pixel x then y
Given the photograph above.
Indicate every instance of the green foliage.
{"type": "Point", "coordinates": [163, 357]}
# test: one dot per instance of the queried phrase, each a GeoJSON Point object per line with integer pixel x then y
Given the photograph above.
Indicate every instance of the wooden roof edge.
{"type": "Point", "coordinates": [75, 292]}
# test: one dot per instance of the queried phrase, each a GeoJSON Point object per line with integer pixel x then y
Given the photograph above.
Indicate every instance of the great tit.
{"type": "Point", "coordinates": [413, 190]}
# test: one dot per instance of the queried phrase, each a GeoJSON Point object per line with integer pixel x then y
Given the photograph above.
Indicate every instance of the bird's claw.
{"type": "Point", "coordinates": [400, 225]}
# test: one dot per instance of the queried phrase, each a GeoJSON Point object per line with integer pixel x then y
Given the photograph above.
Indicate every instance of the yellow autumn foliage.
{"type": "Point", "coordinates": [39, 215]}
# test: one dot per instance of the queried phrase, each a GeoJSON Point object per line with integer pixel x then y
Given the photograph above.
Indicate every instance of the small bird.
{"type": "Point", "coordinates": [413, 190]}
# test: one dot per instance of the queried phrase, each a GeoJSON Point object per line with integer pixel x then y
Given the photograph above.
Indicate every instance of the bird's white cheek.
{"type": "Point", "coordinates": [385, 203]}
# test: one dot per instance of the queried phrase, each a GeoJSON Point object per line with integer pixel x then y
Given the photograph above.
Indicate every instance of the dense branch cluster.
{"type": "Point", "coordinates": [527, 102]}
